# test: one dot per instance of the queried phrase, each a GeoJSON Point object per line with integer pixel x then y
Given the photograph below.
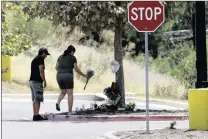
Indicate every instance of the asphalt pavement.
{"type": "Point", "coordinates": [15, 110]}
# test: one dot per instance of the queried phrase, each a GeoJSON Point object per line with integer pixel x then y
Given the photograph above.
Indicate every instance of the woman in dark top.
{"type": "Point", "coordinates": [64, 66]}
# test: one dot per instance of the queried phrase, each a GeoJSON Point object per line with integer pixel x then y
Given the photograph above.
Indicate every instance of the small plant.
{"type": "Point", "coordinates": [172, 124]}
{"type": "Point", "coordinates": [165, 91]}
{"type": "Point", "coordinates": [130, 107]}
{"type": "Point", "coordinates": [4, 70]}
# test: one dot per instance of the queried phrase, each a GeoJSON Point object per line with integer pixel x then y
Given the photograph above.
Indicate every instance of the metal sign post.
{"type": "Point", "coordinates": [147, 82]}
{"type": "Point", "coordinates": [146, 16]}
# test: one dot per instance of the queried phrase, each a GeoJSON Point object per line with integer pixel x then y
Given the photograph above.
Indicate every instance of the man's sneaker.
{"type": "Point", "coordinates": [42, 118]}
{"type": "Point", "coordinates": [57, 107]}
{"type": "Point", "coordinates": [38, 118]}
{"type": "Point", "coordinates": [34, 118]}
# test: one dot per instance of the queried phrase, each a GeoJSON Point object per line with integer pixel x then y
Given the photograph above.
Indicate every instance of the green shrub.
{"type": "Point", "coordinates": [180, 63]}
{"type": "Point", "coordinates": [36, 29]}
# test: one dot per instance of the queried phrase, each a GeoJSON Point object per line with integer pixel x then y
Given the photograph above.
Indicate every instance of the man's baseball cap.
{"type": "Point", "coordinates": [43, 49]}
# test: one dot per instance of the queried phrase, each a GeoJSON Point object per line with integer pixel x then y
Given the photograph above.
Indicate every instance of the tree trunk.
{"type": "Point", "coordinates": [118, 55]}
{"type": "Point", "coordinates": [193, 30]}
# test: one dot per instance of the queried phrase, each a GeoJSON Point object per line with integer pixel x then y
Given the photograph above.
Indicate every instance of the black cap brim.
{"type": "Point", "coordinates": [47, 53]}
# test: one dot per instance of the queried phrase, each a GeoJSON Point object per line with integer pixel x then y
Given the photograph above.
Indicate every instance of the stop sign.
{"type": "Point", "coordinates": [146, 16]}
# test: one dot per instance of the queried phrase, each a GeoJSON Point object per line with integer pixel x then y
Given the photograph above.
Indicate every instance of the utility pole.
{"type": "Point", "coordinates": [200, 44]}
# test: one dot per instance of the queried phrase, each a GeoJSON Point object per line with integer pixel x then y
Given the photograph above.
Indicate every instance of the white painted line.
{"type": "Point", "coordinates": [45, 100]}
{"type": "Point", "coordinates": [51, 94]}
{"type": "Point", "coordinates": [55, 94]}
{"type": "Point", "coordinates": [6, 99]}
{"type": "Point", "coordinates": [27, 95]}
{"type": "Point", "coordinates": [157, 106]}
{"type": "Point", "coordinates": [166, 101]}
{"type": "Point", "coordinates": [28, 100]}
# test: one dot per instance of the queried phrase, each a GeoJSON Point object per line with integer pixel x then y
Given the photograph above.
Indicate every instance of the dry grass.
{"type": "Point", "coordinates": [14, 88]}
{"type": "Point", "coordinates": [98, 59]}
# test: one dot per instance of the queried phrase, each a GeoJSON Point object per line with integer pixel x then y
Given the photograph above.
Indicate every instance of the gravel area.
{"type": "Point", "coordinates": [138, 112]}
{"type": "Point", "coordinates": [163, 134]}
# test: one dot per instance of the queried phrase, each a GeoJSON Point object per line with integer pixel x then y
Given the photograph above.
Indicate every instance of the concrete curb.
{"type": "Point", "coordinates": [153, 101]}
{"type": "Point", "coordinates": [101, 97]}
{"type": "Point", "coordinates": [161, 102]}
{"type": "Point", "coordinates": [109, 134]}
{"type": "Point", "coordinates": [77, 96]}
{"type": "Point", "coordinates": [116, 118]}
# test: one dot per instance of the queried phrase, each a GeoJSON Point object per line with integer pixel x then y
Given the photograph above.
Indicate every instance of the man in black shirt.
{"type": "Point", "coordinates": [38, 82]}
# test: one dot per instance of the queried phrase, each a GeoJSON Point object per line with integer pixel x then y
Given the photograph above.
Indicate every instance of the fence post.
{"type": "Point", "coordinates": [6, 70]}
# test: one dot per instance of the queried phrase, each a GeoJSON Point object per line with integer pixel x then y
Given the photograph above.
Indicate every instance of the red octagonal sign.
{"type": "Point", "coordinates": [146, 16]}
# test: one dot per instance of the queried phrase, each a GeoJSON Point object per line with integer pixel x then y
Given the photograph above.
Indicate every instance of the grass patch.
{"type": "Point", "coordinates": [98, 59]}
{"type": "Point", "coordinates": [14, 88]}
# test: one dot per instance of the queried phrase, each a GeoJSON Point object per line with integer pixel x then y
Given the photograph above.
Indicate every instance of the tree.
{"type": "Point", "coordinates": [14, 40]}
{"type": "Point", "coordinates": [90, 16]}
{"type": "Point", "coordinates": [180, 13]}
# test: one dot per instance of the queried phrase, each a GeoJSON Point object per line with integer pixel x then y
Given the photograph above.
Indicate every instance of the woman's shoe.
{"type": "Point", "coordinates": [57, 107]}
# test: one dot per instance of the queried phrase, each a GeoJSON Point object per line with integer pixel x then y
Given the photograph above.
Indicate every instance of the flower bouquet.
{"type": "Point", "coordinates": [89, 73]}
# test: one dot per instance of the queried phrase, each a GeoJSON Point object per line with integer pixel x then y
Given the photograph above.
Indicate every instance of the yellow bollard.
{"type": "Point", "coordinates": [198, 109]}
{"type": "Point", "coordinates": [6, 68]}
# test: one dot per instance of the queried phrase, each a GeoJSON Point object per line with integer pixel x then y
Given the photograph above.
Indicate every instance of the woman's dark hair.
{"type": "Point", "coordinates": [69, 50]}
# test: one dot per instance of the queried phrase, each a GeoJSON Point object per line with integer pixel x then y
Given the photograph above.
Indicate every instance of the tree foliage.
{"type": "Point", "coordinates": [14, 40]}
{"type": "Point", "coordinates": [180, 13]}
{"type": "Point", "coordinates": [178, 17]}
{"type": "Point", "coordinates": [170, 43]}
{"type": "Point", "coordinates": [88, 15]}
